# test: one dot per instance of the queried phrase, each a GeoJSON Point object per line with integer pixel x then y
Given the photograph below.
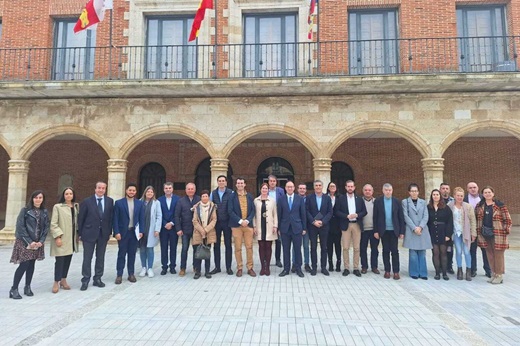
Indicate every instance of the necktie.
{"type": "Point", "coordinates": [290, 202]}
{"type": "Point", "coordinates": [100, 207]}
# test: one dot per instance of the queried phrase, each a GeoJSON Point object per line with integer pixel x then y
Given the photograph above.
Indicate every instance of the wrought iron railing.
{"type": "Point", "coordinates": [273, 60]}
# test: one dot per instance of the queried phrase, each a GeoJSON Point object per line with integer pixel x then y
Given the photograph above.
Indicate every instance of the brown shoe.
{"type": "Point", "coordinates": [182, 272]}
{"type": "Point", "coordinates": [64, 284]}
{"type": "Point", "coordinates": [396, 276]}
{"type": "Point", "coordinates": [252, 273]}
{"type": "Point", "coordinates": [363, 270]}
{"type": "Point", "coordinates": [131, 278]}
{"type": "Point", "coordinates": [375, 271]}
{"type": "Point", "coordinates": [55, 287]}
{"type": "Point", "coordinates": [387, 275]}
{"type": "Point", "coordinates": [119, 280]}
{"type": "Point", "coordinates": [239, 273]}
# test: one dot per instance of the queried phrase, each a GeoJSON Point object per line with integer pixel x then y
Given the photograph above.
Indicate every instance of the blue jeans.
{"type": "Point", "coordinates": [306, 254]}
{"type": "Point", "coordinates": [146, 257]}
{"type": "Point", "coordinates": [185, 247]}
{"type": "Point", "coordinates": [417, 263]}
{"type": "Point", "coordinates": [459, 248]}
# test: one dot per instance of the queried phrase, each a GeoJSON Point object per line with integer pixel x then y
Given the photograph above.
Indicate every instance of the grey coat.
{"type": "Point", "coordinates": [413, 217]}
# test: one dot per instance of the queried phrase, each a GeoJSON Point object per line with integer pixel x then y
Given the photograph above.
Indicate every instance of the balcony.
{"type": "Point", "coordinates": [239, 61]}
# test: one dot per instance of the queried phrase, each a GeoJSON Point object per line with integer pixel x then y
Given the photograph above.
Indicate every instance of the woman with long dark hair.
{"type": "Point", "coordinates": [150, 230]}
{"type": "Point", "coordinates": [440, 225]}
{"type": "Point", "coordinates": [265, 227]}
{"type": "Point", "coordinates": [32, 227]}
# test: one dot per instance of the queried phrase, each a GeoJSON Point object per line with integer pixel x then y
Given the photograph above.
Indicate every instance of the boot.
{"type": "Point", "coordinates": [331, 267]}
{"type": "Point", "coordinates": [262, 271]}
{"type": "Point", "coordinates": [55, 287]}
{"type": "Point", "coordinates": [338, 266]}
{"type": "Point", "coordinates": [459, 274]}
{"type": "Point", "coordinates": [497, 280]}
{"type": "Point", "coordinates": [14, 294]}
{"type": "Point", "coordinates": [27, 291]}
{"type": "Point", "coordinates": [468, 274]}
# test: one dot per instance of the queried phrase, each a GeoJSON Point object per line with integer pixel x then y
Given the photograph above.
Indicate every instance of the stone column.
{"type": "Point", "coordinates": [433, 169]}
{"type": "Point", "coordinates": [116, 178]}
{"type": "Point", "coordinates": [16, 196]}
{"type": "Point", "coordinates": [218, 167]}
{"type": "Point", "coordinates": [322, 168]}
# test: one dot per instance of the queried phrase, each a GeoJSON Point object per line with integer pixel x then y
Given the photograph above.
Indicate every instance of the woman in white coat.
{"type": "Point", "coordinates": [150, 230]}
{"type": "Point", "coordinates": [416, 237]}
{"type": "Point", "coordinates": [265, 226]}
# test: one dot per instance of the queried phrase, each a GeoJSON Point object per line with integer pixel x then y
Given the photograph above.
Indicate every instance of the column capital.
{"type": "Point", "coordinates": [117, 165]}
{"type": "Point", "coordinates": [433, 164]}
{"type": "Point", "coordinates": [18, 166]}
{"type": "Point", "coordinates": [219, 164]}
{"type": "Point", "coordinates": [322, 164]}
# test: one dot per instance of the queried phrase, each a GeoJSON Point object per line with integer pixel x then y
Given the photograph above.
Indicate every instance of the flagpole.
{"type": "Point", "coordinates": [215, 58]}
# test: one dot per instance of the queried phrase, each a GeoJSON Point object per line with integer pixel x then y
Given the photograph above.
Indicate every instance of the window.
{"type": "Point", "coordinates": [270, 45]}
{"type": "Point", "coordinates": [373, 42]}
{"type": "Point", "coordinates": [483, 43]}
{"type": "Point", "coordinates": [169, 54]}
{"type": "Point", "coordinates": [73, 53]}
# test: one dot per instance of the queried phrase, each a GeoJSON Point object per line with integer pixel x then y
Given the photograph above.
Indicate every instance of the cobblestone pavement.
{"type": "Point", "coordinates": [226, 310]}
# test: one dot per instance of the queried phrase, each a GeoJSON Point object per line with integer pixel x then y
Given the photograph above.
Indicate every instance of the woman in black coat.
{"type": "Point", "coordinates": [334, 240]}
{"type": "Point", "coordinates": [440, 225]}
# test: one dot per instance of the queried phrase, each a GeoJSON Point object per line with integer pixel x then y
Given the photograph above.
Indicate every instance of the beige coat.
{"type": "Point", "coordinates": [198, 229]}
{"type": "Point", "coordinates": [271, 219]}
{"type": "Point", "coordinates": [61, 226]}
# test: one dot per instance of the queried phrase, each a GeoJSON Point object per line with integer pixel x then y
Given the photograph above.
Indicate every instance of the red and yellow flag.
{"type": "Point", "coordinates": [311, 18]}
{"type": "Point", "coordinates": [92, 14]}
{"type": "Point", "coordinates": [199, 17]}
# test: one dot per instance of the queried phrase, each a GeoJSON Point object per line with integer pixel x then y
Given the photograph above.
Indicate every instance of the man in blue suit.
{"type": "Point", "coordinates": [276, 193]}
{"type": "Point", "coordinates": [128, 215]}
{"type": "Point", "coordinates": [319, 213]}
{"type": "Point", "coordinates": [184, 222]}
{"type": "Point", "coordinates": [168, 236]}
{"type": "Point", "coordinates": [291, 225]}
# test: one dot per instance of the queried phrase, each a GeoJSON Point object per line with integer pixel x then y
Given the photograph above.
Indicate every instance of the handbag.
{"type": "Point", "coordinates": [203, 252]}
{"type": "Point", "coordinates": [487, 232]}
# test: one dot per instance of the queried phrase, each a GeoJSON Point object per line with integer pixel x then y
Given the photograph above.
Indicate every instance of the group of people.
{"type": "Point", "coordinates": [292, 219]}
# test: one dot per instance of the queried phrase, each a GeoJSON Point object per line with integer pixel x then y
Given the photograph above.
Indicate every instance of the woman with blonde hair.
{"type": "Point", "coordinates": [204, 221]}
{"type": "Point", "coordinates": [265, 227]}
{"type": "Point", "coordinates": [464, 231]}
{"type": "Point", "coordinates": [150, 230]}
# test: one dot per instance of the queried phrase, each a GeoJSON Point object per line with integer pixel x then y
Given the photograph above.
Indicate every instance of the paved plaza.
{"type": "Point", "coordinates": [226, 310]}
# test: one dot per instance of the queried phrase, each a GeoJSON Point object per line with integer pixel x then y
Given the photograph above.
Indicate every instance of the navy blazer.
{"type": "Point", "coordinates": [397, 216]}
{"type": "Point", "coordinates": [222, 210]}
{"type": "Point", "coordinates": [311, 207]}
{"type": "Point", "coordinates": [168, 215]}
{"type": "Point", "coordinates": [341, 211]}
{"type": "Point", "coordinates": [235, 213]}
{"type": "Point", "coordinates": [90, 224]}
{"type": "Point", "coordinates": [184, 214]}
{"type": "Point", "coordinates": [293, 219]}
{"type": "Point", "coordinates": [121, 219]}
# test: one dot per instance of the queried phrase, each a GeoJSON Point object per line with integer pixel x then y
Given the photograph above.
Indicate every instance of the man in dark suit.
{"type": "Point", "coordinates": [291, 226]}
{"type": "Point", "coordinates": [184, 222]}
{"type": "Point", "coordinates": [220, 196]}
{"type": "Point", "coordinates": [319, 212]}
{"type": "Point", "coordinates": [276, 193]}
{"type": "Point", "coordinates": [168, 236]}
{"type": "Point", "coordinates": [128, 218]}
{"type": "Point", "coordinates": [473, 198]}
{"type": "Point", "coordinates": [350, 210]}
{"type": "Point", "coordinates": [94, 228]}
{"type": "Point", "coordinates": [389, 226]}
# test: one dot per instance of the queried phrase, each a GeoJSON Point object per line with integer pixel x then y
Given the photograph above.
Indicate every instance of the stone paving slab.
{"type": "Point", "coordinates": [226, 310]}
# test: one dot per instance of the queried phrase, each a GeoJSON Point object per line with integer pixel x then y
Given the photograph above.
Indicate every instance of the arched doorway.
{"type": "Point", "coordinates": [203, 176]}
{"type": "Point", "coordinates": [277, 166]}
{"type": "Point", "coordinates": [340, 173]}
{"type": "Point", "coordinates": [152, 174]}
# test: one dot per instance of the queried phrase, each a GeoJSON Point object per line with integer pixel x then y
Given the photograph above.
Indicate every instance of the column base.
{"type": "Point", "coordinates": [7, 236]}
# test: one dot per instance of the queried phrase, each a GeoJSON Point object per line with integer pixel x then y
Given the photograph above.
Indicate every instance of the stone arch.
{"type": "Point", "coordinates": [5, 145]}
{"type": "Point", "coordinates": [35, 140]}
{"type": "Point", "coordinates": [502, 125]}
{"type": "Point", "coordinates": [255, 129]}
{"type": "Point", "coordinates": [411, 135]}
{"type": "Point", "coordinates": [172, 128]}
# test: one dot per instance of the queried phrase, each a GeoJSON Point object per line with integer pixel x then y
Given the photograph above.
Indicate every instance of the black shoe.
{"type": "Point", "coordinates": [293, 269]}
{"type": "Point", "coordinates": [437, 276]}
{"type": "Point", "coordinates": [27, 291]}
{"type": "Point", "coordinates": [197, 275]}
{"type": "Point", "coordinates": [424, 278]}
{"type": "Point", "coordinates": [313, 272]}
{"type": "Point", "coordinates": [414, 277]}
{"type": "Point", "coordinates": [357, 273]}
{"type": "Point", "coordinates": [84, 286]}
{"type": "Point", "coordinates": [173, 271]}
{"type": "Point", "coordinates": [215, 271]}
{"type": "Point", "coordinates": [208, 275]}
{"type": "Point", "coordinates": [488, 274]}
{"type": "Point", "coordinates": [283, 273]}
{"type": "Point", "coordinates": [338, 268]}
{"type": "Point", "coordinates": [164, 271]}
{"type": "Point", "coordinates": [473, 273]}
{"type": "Point", "coordinates": [300, 273]}
{"type": "Point", "coordinates": [325, 272]}
{"type": "Point", "coordinates": [450, 271]}
{"type": "Point", "coordinates": [445, 277]}
{"type": "Point", "coordinates": [279, 264]}
{"type": "Point", "coordinates": [346, 272]}
{"type": "Point", "coordinates": [331, 267]}
{"type": "Point", "coordinates": [307, 268]}
{"type": "Point", "coordinates": [14, 294]}
{"type": "Point", "coordinates": [229, 271]}
{"type": "Point", "coordinates": [98, 283]}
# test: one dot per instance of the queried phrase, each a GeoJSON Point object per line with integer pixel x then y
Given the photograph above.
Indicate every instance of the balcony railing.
{"type": "Point", "coordinates": [275, 60]}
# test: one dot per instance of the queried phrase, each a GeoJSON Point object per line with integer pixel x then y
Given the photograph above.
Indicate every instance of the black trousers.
{"type": "Point", "coordinates": [26, 268]}
{"type": "Point", "coordinates": [61, 267]}
{"type": "Point", "coordinates": [278, 250]}
{"type": "Point", "coordinates": [314, 234]}
{"type": "Point", "coordinates": [100, 246]}
{"type": "Point", "coordinates": [334, 243]}
{"type": "Point", "coordinates": [296, 240]}
{"type": "Point", "coordinates": [197, 263]}
{"type": "Point", "coordinates": [368, 237]}
{"type": "Point", "coordinates": [390, 242]}
{"type": "Point", "coordinates": [169, 240]}
{"type": "Point", "coordinates": [449, 254]}
{"type": "Point", "coordinates": [222, 227]}
{"type": "Point", "coordinates": [485, 262]}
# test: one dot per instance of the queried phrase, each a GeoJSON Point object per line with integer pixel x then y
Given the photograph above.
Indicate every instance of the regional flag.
{"type": "Point", "coordinates": [199, 17]}
{"type": "Point", "coordinates": [93, 13]}
{"type": "Point", "coordinates": [311, 17]}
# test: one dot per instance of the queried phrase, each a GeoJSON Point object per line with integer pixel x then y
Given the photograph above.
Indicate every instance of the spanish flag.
{"type": "Point", "coordinates": [311, 18]}
{"type": "Point", "coordinates": [199, 17]}
{"type": "Point", "coordinates": [93, 13]}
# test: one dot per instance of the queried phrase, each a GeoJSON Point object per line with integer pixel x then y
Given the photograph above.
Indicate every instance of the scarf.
{"type": "Point", "coordinates": [204, 214]}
